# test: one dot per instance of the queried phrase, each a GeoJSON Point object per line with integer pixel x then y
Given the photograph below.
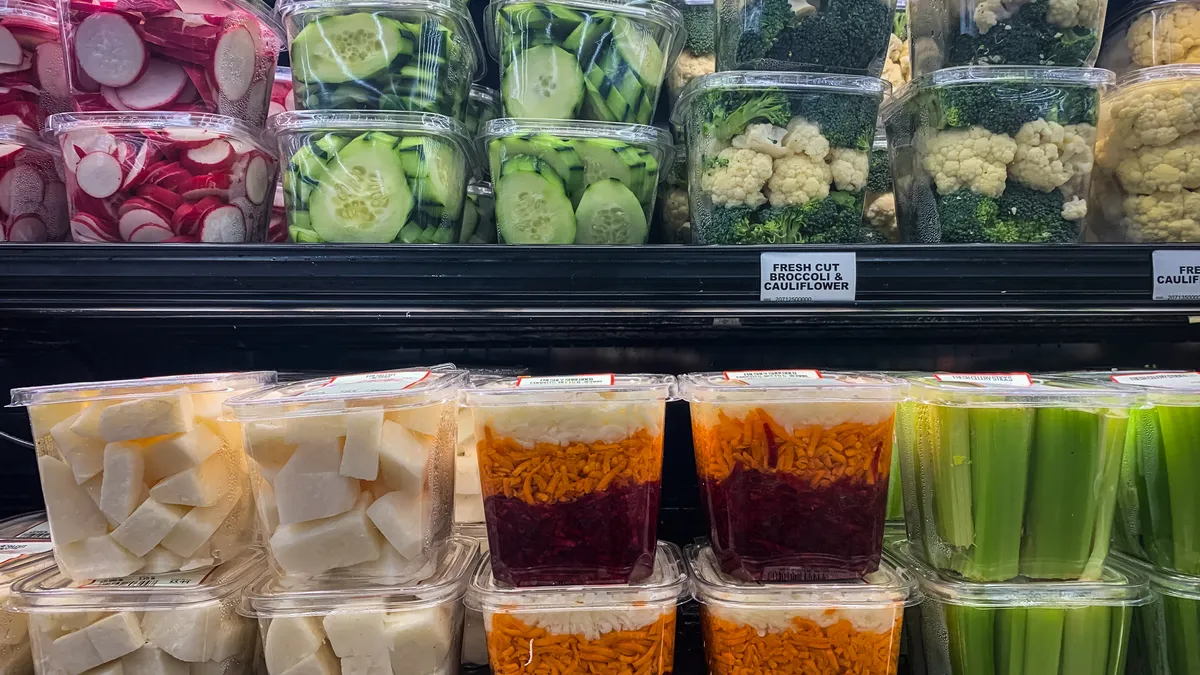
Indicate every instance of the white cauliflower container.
{"type": "Point", "coordinates": [16, 652]}
{"type": "Point", "coordinates": [142, 475]}
{"type": "Point", "coordinates": [335, 628]}
{"type": "Point", "coordinates": [168, 624]}
{"type": "Point", "coordinates": [354, 473]}
{"type": "Point", "coordinates": [474, 639]}
{"type": "Point", "coordinates": [880, 211]}
{"type": "Point", "coordinates": [779, 158]}
{"type": "Point", "coordinates": [999, 155]}
{"type": "Point", "coordinates": [1152, 34]}
{"type": "Point", "coordinates": [675, 215]}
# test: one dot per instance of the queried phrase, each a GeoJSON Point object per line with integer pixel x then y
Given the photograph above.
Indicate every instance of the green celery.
{"type": "Point", "coordinates": [1086, 641]}
{"type": "Point", "coordinates": [1113, 427]}
{"type": "Point", "coordinates": [952, 475]}
{"type": "Point", "coordinates": [1180, 427]}
{"type": "Point", "coordinates": [1182, 618]}
{"type": "Point", "coordinates": [1131, 516]}
{"type": "Point", "coordinates": [1119, 638]}
{"type": "Point", "coordinates": [1010, 641]}
{"type": "Point", "coordinates": [895, 502]}
{"type": "Point", "coordinates": [1043, 640]}
{"type": "Point", "coordinates": [971, 632]}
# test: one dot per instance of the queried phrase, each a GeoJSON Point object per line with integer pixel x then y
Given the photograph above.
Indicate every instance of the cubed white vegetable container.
{"type": "Point", "coordinates": [16, 652]}
{"type": "Point", "coordinates": [354, 473]}
{"type": "Point", "coordinates": [142, 475]}
{"type": "Point", "coordinates": [331, 628]}
{"type": "Point", "coordinates": [35, 196]}
{"type": "Point", "coordinates": [182, 622]}
{"type": "Point", "coordinates": [1152, 34]}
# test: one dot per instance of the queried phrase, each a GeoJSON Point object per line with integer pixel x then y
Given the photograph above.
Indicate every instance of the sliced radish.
{"type": "Point", "coordinates": [278, 204]}
{"type": "Point", "coordinates": [25, 190]}
{"type": "Point", "coordinates": [137, 203]}
{"type": "Point", "coordinates": [188, 95]}
{"type": "Point", "coordinates": [52, 73]}
{"type": "Point", "coordinates": [190, 138]}
{"type": "Point", "coordinates": [134, 219]}
{"type": "Point", "coordinates": [87, 228]}
{"type": "Point", "coordinates": [83, 82]}
{"type": "Point", "coordinates": [187, 218]}
{"type": "Point", "coordinates": [208, 185]}
{"type": "Point", "coordinates": [99, 174]}
{"type": "Point", "coordinates": [289, 102]}
{"type": "Point", "coordinates": [8, 154]}
{"type": "Point", "coordinates": [168, 200]}
{"type": "Point", "coordinates": [167, 175]}
{"type": "Point", "coordinates": [77, 144]}
{"type": "Point", "coordinates": [140, 167]}
{"type": "Point", "coordinates": [156, 88]}
{"type": "Point", "coordinates": [216, 156]}
{"type": "Point", "coordinates": [224, 224]}
{"type": "Point", "coordinates": [200, 82]}
{"type": "Point", "coordinates": [28, 227]}
{"type": "Point", "coordinates": [181, 32]}
{"type": "Point", "coordinates": [23, 63]}
{"type": "Point", "coordinates": [109, 49]}
{"type": "Point", "coordinates": [258, 179]}
{"type": "Point", "coordinates": [10, 50]}
{"type": "Point", "coordinates": [233, 62]}
{"type": "Point", "coordinates": [274, 109]}
{"type": "Point", "coordinates": [113, 99]}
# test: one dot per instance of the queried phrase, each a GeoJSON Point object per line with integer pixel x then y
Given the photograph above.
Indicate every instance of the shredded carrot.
{"type": "Point", "coordinates": [550, 473]}
{"type": "Point", "coordinates": [516, 648]}
{"type": "Point", "coordinates": [819, 455]}
{"type": "Point", "coordinates": [804, 649]}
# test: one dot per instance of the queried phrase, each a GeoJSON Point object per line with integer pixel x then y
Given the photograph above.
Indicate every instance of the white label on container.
{"type": "Point", "coordinates": [11, 550]}
{"type": "Point", "coordinates": [807, 277]}
{"type": "Point", "coordinates": [39, 532]}
{"type": "Point", "coordinates": [370, 383]}
{"type": "Point", "coordinates": [1011, 379]}
{"type": "Point", "coordinates": [1176, 275]}
{"type": "Point", "coordinates": [771, 376]}
{"type": "Point", "coordinates": [556, 381]}
{"type": "Point", "coordinates": [1190, 379]}
{"type": "Point", "coordinates": [171, 579]}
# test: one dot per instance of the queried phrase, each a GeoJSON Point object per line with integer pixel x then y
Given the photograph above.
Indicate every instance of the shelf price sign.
{"type": "Point", "coordinates": [807, 277]}
{"type": "Point", "coordinates": [1176, 275]}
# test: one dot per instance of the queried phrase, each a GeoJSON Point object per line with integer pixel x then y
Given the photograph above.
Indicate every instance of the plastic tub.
{"type": "Point", "coordinates": [534, 630]}
{"type": "Point", "coordinates": [282, 97]}
{"type": "Point", "coordinates": [675, 216]}
{"type": "Point", "coordinates": [793, 468]}
{"type": "Point", "coordinates": [897, 68]}
{"type": "Point", "coordinates": [879, 213]}
{"type": "Point", "coordinates": [401, 55]}
{"type": "Point", "coordinates": [332, 628]}
{"type": "Point", "coordinates": [1036, 131]}
{"type": "Point", "coordinates": [354, 473]}
{"type": "Point", "coordinates": [474, 638]}
{"type": "Point", "coordinates": [142, 475]}
{"type": "Point", "coordinates": [216, 56]}
{"type": "Point", "coordinates": [574, 182]}
{"type": "Point", "coordinates": [601, 60]}
{"type": "Point", "coordinates": [168, 623]}
{"type": "Point", "coordinates": [1007, 475]}
{"type": "Point", "coordinates": [1164, 636]}
{"type": "Point", "coordinates": [572, 472]}
{"type": "Point", "coordinates": [479, 215]}
{"type": "Point", "coordinates": [779, 158]}
{"type": "Point", "coordinates": [35, 207]}
{"type": "Point", "coordinates": [698, 56]}
{"type": "Point", "coordinates": [848, 37]}
{"type": "Point", "coordinates": [1152, 34]}
{"type": "Point", "coordinates": [16, 652]}
{"type": "Point", "coordinates": [32, 75]}
{"type": "Point", "coordinates": [483, 106]}
{"type": "Point", "coordinates": [791, 627]}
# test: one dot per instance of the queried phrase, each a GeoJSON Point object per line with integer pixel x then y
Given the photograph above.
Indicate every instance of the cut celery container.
{"type": "Point", "coordinates": [1165, 638]}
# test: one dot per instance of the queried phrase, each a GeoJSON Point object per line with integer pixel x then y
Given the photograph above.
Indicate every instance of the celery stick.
{"type": "Point", "coordinates": [917, 429]}
{"type": "Point", "coordinates": [1086, 641]}
{"type": "Point", "coordinates": [1010, 641]}
{"type": "Point", "coordinates": [1153, 489]}
{"type": "Point", "coordinates": [1043, 640]}
{"type": "Point", "coordinates": [971, 631]}
{"type": "Point", "coordinates": [1113, 426]}
{"type": "Point", "coordinates": [952, 476]}
{"type": "Point", "coordinates": [1131, 514]}
{"type": "Point", "coordinates": [1182, 617]}
{"type": "Point", "coordinates": [1118, 640]}
{"type": "Point", "coordinates": [1181, 442]}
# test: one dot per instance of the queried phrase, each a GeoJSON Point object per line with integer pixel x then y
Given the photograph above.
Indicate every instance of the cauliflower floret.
{"type": "Point", "coordinates": [737, 178]}
{"type": "Point", "coordinates": [675, 210]}
{"type": "Point", "coordinates": [798, 179]}
{"type": "Point", "coordinates": [689, 66]}
{"type": "Point", "coordinates": [1155, 115]}
{"type": "Point", "coordinates": [1167, 168]}
{"type": "Point", "coordinates": [1071, 13]}
{"type": "Point", "coordinates": [988, 13]}
{"type": "Point", "coordinates": [880, 214]}
{"type": "Point", "coordinates": [1163, 217]}
{"type": "Point", "coordinates": [1169, 35]}
{"type": "Point", "coordinates": [849, 168]}
{"type": "Point", "coordinates": [897, 69]}
{"type": "Point", "coordinates": [804, 138]}
{"type": "Point", "coordinates": [973, 157]}
{"type": "Point", "coordinates": [1074, 209]}
{"type": "Point", "coordinates": [764, 138]}
{"type": "Point", "coordinates": [1049, 154]}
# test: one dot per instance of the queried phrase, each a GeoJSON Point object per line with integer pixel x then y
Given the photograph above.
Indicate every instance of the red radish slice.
{"type": "Point", "coordinates": [28, 227]}
{"type": "Point", "coordinates": [208, 185]}
{"type": "Point", "coordinates": [188, 95]}
{"type": "Point", "coordinates": [87, 228]}
{"type": "Point", "coordinates": [139, 169]}
{"type": "Point", "coordinates": [274, 109]}
{"type": "Point", "coordinates": [85, 83]}
{"type": "Point", "coordinates": [23, 63]}
{"type": "Point", "coordinates": [186, 219]}
{"type": "Point", "coordinates": [190, 138]}
{"type": "Point", "coordinates": [52, 73]}
{"type": "Point", "coordinates": [149, 7]}
{"type": "Point", "coordinates": [160, 196]}
{"type": "Point", "coordinates": [156, 88]}
{"type": "Point", "coordinates": [109, 49]}
{"type": "Point", "coordinates": [99, 175]}
{"type": "Point", "coordinates": [143, 225]}
{"type": "Point", "coordinates": [10, 49]}
{"type": "Point", "coordinates": [137, 203]}
{"type": "Point", "coordinates": [216, 156]}
{"type": "Point", "coordinates": [224, 224]}
{"type": "Point", "coordinates": [167, 175]}
{"type": "Point", "coordinates": [289, 101]}
{"type": "Point", "coordinates": [13, 120]}
{"type": "Point", "coordinates": [278, 203]}
{"type": "Point", "coordinates": [258, 179]}
{"type": "Point", "coordinates": [8, 151]}
{"type": "Point", "coordinates": [200, 82]}
{"type": "Point", "coordinates": [78, 144]}
{"type": "Point", "coordinates": [113, 99]}
{"type": "Point", "coordinates": [233, 62]}
{"type": "Point", "coordinates": [124, 151]}
{"type": "Point", "coordinates": [25, 189]}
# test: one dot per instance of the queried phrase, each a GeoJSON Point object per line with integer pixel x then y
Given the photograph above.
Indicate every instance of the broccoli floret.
{"type": "Point", "coordinates": [1025, 38]}
{"type": "Point", "coordinates": [1004, 108]}
{"type": "Point", "coordinates": [836, 219]}
{"type": "Point", "coordinates": [700, 22]}
{"type": "Point", "coordinates": [964, 216]}
{"type": "Point", "coordinates": [846, 120]}
{"type": "Point", "coordinates": [1025, 215]}
{"type": "Point", "coordinates": [838, 38]}
{"type": "Point", "coordinates": [879, 177]}
{"type": "Point", "coordinates": [729, 223]}
{"type": "Point", "coordinates": [729, 112]}
{"type": "Point", "coordinates": [762, 21]}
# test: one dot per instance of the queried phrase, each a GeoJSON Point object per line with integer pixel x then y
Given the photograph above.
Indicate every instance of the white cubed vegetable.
{"type": "Point", "coordinates": [85, 455]}
{"type": "Point", "coordinates": [466, 477]}
{"type": "Point", "coordinates": [234, 637]}
{"type": "Point", "coordinates": [421, 640]}
{"type": "Point", "coordinates": [321, 663]}
{"type": "Point", "coordinates": [208, 405]}
{"type": "Point", "coordinates": [356, 633]}
{"type": "Point", "coordinates": [309, 486]}
{"type": "Point", "coordinates": [198, 486]}
{"type": "Point", "coordinates": [423, 420]}
{"type": "Point", "coordinates": [314, 429]}
{"type": "Point", "coordinates": [212, 668]}
{"type": "Point", "coordinates": [88, 422]}
{"type": "Point", "coordinates": [74, 653]}
{"type": "Point", "coordinates": [153, 661]}
{"type": "Point", "coordinates": [93, 487]}
{"type": "Point", "coordinates": [325, 544]}
{"type": "Point", "coordinates": [468, 508]}
{"type": "Point", "coordinates": [399, 517]}
{"type": "Point", "coordinates": [195, 528]}
{"type": "Point", "coordinates": [268, 510]}
{"type": "Point", "coordinates": [290, 639]}
{"type": "Point", "coordinates": [115, 636]}
{"type": "Point", "coordinates": [43, 418]}
{"type": "Point", "coordinates": [97, 558]}
{"type": "Point", "coordinates": [360, 457]}
{"type": "Point", "coordinates": [122, 487]}
{"type": "Point", "coordinates": [146, 417]}
{"type": "Point", "coordinates": [110, 668]}
{"type": "Point", "coordinates": [391, 564]}
{"type": "Point", "coordinates": [268, 447]}
{"type": "Point", "coordinates": [403, 456]}
{"type": "Point", "coordinates": [180, 453]}
{"type": "Point", "coordinates": [188, 634]}
{"type": "Point", "coordinates": [375, 664]}
{"type": "Point", "coordinates": [160, 560]}
{"type": "Point", "coordinates": [72, 514]}
{"type": "Point", "coordinates": [148, 526]}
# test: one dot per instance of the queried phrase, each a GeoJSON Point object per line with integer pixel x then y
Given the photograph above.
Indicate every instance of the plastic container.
{"type": "Point", "coordinates": [32, 75]}
{"type": "Point", "coordinates": [533, 630]}
{"type": "Point", "coordinates": [1009, 475]}
{"type": "Point", "coordinates": [1163, 638]}
{"type": "Point", "coordinates": [793, 468]}
{"type": "Point", "coordinates": [196, 57]}
{"type": "Point", "coordinates": [791, 627]}
{"type": "Point", "coordinates": [779, 158]}
{"type": "Point", "coordinates": [282, 97]}
{"type": "Point", "coordinates": [333, 628]}
{"type": "Point", "coordinates": [848, 37]}
{"type": "Point", "coordinates": [483, 106]}
{"type": "Point", "coordinates": [142, 475]}
{"type": "Point", "coordinates": [879, 213]}
{"type": "Point", "coordinates": [16, 652]}
{"type": "Point", "coordinates": [601, 60]}
{"type": "Point", "coordinates": [1018, 118]}
{"type": "Point", "coordinates": [354, 473]}
{"type": "Point", "coordinates": [401, 55]}
{"type": "Point", "coordinates": [373, 177]}
{"type": "Point", "coordinates": [571, 468]}
{"type": "Point", "coordinates": [1152, 34]}
{"type": "Point", "coordinates": [167, 623]}
{"type": "Point", "coordinates": [897, 67]}
{"type": "Point", "coordinates": [155, 177]}
{"type": "Point", "coordinates": [35, 197]}
{"type": "Point", "coordinates": [479, 215]}
{"type": "Point", "coordinates": [474, 638]}
{"type": "Point", "coordinates": [30, 527]}
{"type": "Point", "coordinates": [574, 182]}
{"type": "Point", "coordinates": [698, 56]}
{"type": "Point", "coordinates": [675, 217]}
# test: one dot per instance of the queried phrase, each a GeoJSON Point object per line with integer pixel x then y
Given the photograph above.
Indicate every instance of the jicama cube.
{"type": "Point", "coordinates": [309, 486]}
{"type": "Point", "coordinates": [188, 634]}
{"type": "Point", "coordinates": [404, 456]}
{"type": "Point", "coordinates": [421, 639]}
{"type": "Point", "coordinates": [198, 486]}
{"type": "Point", "coordinates": [146, 417]}
{"type": "Point", "coordinates": [72, 514]}
{"type": "Point", "coordinates": [180, 453]}
{"type": "Point", "coordinates": [148, 526]}
{"type": "Point", "coordinates": [360, 456]}
{"type": "Point", "coordinates": [84, 454]}
{"type": "Point", "coordinates": [356, 633]}
{"type": "Point", "coordinates": [324, 544]}
{"type": "Point", "coordinates": [323, 662]}
{"type": "Point", "coordinates": [153, 661]}
{"type": "Point", "coordinates": [290, 639]}
{"type": "Point", "coordinates": [97, 557]}
{"type": "Point", "coordinates": [122, 486]}
{"type": "Point", "coordinates": [397, 515]}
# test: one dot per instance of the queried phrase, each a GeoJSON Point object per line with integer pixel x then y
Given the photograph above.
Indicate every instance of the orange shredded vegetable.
{"type": "Point", "coordinates": [550, 473]}
{"type": "Point", "coordinates": [516, 648]}
{"type": "Point", "coordinates": [804, 649]}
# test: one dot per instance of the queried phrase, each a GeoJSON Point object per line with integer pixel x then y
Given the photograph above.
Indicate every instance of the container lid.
{"type": "Point", "coordinates": [146, 386]}
{"type": "Point", "coordinates": [890, 586]}
{"type": "Point", "coordinates": [19, 134]}
{"type": "Point", "coordinates": [649, 138]}
{"type": "Point", "coordinates": [1162, 581]}
{"type": "Point", "coordinates": [1157, 74]}
{"type": "Point", "coordinates": [1178, 387]}
{"type": "Point", "coordinates": [31, 526]}
{"type": "Point", "coordinates": [480, 188]}
{"type": "Point", "coordinates": [1021, 389]}
{"type": "Point", "coordinates": [173, 125]}
{"type": "Point", "coordinates": [16, 566]}
{"type": "Point", "coordinates": [1092, 77]}
{"type": "Point", "coordinates": [791, 386]}
{"type": "Point", "coordinates": [49, 590]}
{"type": "Point", "coordinates": [271, 596]}
{"type": "Point", "coordinates": [566, 389]}
{"type": "Point", "coordinates": [667, 583]}
{"type": "Point", "coordinates": [786, 82]}
{"type": "Point", "coordinates": [283, 73]}
{"type": "Point", "coordinates": [33, 11]}
{"type": "Point", "coordinates": [660, 14]}
{"type": "Point", "coordinates": [485, 95]}
{"type": "Point", "coordinates": [1136, 9]}
{"type": "Point", "coordinates": [396, 388]}
{"type": "Point", "coordinates": [437, 126]}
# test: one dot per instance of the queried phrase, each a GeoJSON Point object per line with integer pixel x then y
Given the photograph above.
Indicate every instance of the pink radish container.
{"type": "Point", "coordinates": [207, 56]}
{"type": "Point", "coordinates": [282, 99]}
{"type": "Point", "coordinates": [149, 177]}
{"type": "Point", "coordinates": [33, 198]}
{"type": "Point", "coordinates": [33, 83]}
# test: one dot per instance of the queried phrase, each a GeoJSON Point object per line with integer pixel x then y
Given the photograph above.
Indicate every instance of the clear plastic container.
{"type": "Point", "coordinates": [601, 60]}
{"type": "Point", "coordinates": [373, 177]}
{"type": "Point", "coordinates": [698, 56]}
{"type": "Point", "coordinates": [333, 628]}
{"type": "Point", "coordinates": [879, 212]}
{"type": "Point", "coordinates": [571, 469]}
{"type": "Point", "coordinates": [474, 638]}
{"type": "Point", "coordinates": [1008, 475]}
{"type": "Point", "coordinates": [1152, 34]}
{"type": "Point", "coordinates": [468, 491]}
{"type": "Point", "coordinates": [793, 468]}
{"type": "Point", "coordinates": [33, 81]}
{"type": "Point", "coordinates": [401, 55]}
{"type": "Point", "coordinates": [142, 475]}
{"type": "Point", "coordinates": [848, 36]}
{"type": "Point", "coordinates": [35, 197]}
{"type": "Point", "coordinates": [793, 627]}
{"type": "Point", "coordinates": [354, 473]}
{"type": "Point", "coordinates": [16, 652]}
{"type": "Point", "coordinates": [1165, 635]}
{"type": "Point", "coordinates": [282, 97]}
{"type": "Point", "coordinates": [155, 177]}
{"type": "Point", "coordinates": [1035, 132]}
{"type": "Point", "coordinates": [479, 215]}
{"type": "Point", "coordinates": [185, 622]}
{"type": "Point", "coordinates": [483, 106]}
{"type": "Point", "coordinates": [188, 56]}
{"type": "Point", "coordinates": [574, 182]}
{"type": "Point", "coordinates": [779, 158]}
{"type": "Point", "coordinates": [31, 526]}
{"type": "Point", "coordinates": [675, 217]}
{"type": "Point", "coordinates": [628, 628]}
{"type": "Point", "coordinates": [897, 68]}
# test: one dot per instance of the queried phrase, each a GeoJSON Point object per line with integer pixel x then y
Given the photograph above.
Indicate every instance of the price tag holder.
{"type": "Point", "coordinates": [1176, 275]}
{"type": "Point", "coordinates": [807, 277]}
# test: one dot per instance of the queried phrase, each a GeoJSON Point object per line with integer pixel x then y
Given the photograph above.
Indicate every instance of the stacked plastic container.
{"type": "Point", "coordinates": [24, 549]}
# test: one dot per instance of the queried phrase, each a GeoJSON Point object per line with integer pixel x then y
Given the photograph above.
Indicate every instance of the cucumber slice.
{"type": "Point", "coordinates": [620, 74]}
{"type": "Point", "coordinates": [342, 48]}
{"type": "Point", "coordinates": [328, 145]}
{"type": "Point", "coordinates": [544, 82]}
{"type": "Point", "coordinates": [587, 38]}
{"type": "Point", "coordinates": [607, 90]}
{"type": "Point", "coordinates": [470, 220]}
{"type": "Point", "coordinates": [530, 209]}
{"type": "Point", "coordinates": [637, 47]}
{"type": "Point", "coordinates": [594, 107]}
{"type": "Point", "coordinates": [440, 176]}
{"type": "Point", "coordinates": [645, 110]}
{"type": "Point", "coordinates": [303, 236]}
{"type": "Point", "coordinates": [609, 213]}
{"type": "Point", "coordinates": [534, 164]}
{"type": "Point", "coordinates": [557, 153]}
{"type": "Point", "coordinates": [300, 219]}
{"type": "Point", "coordinates": [551, 20]}
{"type": "Point", "coordinates": [364, 197]}
{"type": "Point", "coordinates": [601, 161]}
{"type": "Point", "coordinates": [649, 183]}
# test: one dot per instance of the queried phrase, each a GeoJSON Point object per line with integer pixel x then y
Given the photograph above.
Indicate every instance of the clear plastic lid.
{"type": "Point", "coordinates": [270, 596]}
{"type": "Point", "coordinates": [668, 583]}
{"type": "Point", "coordinates": [1136, 79]}
{"type": "Point", "coordinates": [392, 389]}
{"type": "Point", "coordinates": [1162, 581]}
{"type": "Point", "coordinates": [480, 188]}
{"type": "Point", "coordinates": [19, 134]}
{"type": "Point", "coordinates": [1092, 77]}
{"type": "Point", "coordinates": [1169, 387]}
{"type": "Point", "coordinates": [648, 138]}
{"type": "Point", "coordinates": [567, 389]}
{"type": "Point", "coordinates": [283, 73]}
{"type": "Point", "coordinates": [15, 567]}
{"type": "Point", "coordinates": [32, 11]}
{"type": "Point", "coordinates": [1019, 389]}
{"type": "Point", "coordinates": [188, 126]}
{"type": "Point", "coordinates": [785, 82]}
{"type": "Point", "coordinates": [656, 12]}
{"type": "Point", "coordinates": [31, 526]}
{"type": "Point", "coordinates": [1135, 9]}
{"type": "Point", "coordinates": [485, 95]}
{"type": "Point", "coordinates": [791, 386]}
{"type": "Point", "coordinates": [437, 126]}
{"type": "Point", "coordinates": [147, 386]}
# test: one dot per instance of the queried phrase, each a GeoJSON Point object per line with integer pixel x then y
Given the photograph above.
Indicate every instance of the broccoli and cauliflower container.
{"type": "Point", "coordinates": [995, 155]}
{"type": "Point", "coordinates": [1152, 34]}
{"type": "Point", "coordinates": [698, 56]}
{"type": "Point", "coordinates": [779, 158]}
{"type": "Point", "coordinates": [879, 214]}
{"type": "Point", "coordinates": [675, 216]}
{"type": "Point", "coordinates": [1165, 636]}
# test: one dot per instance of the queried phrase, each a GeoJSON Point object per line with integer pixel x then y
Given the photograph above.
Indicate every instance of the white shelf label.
{"type": "Point", "coordinates": [567, 381]}
{"type": "Point", "coordinates": [370, 383]}
{"type": "Point", "coordinates": [771, 376]}
{"type": "Point", "coordinates": [1190, 379]}
{"type": "Point", "coordinates": [1176, 275]}
{"type": "Point", "coordinates": [39, 532]}
{"type": "Point", "coordinates": [172, 579]}
{"type": "Point", "coordinates": [1011, 379]}
{"type": "Point", "coordinates": [807, 277]}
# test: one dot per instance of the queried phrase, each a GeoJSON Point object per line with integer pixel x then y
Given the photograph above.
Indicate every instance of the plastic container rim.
{"type": "Point", "coordinates": [23, 521]}
{"type": "Point", "coordinates": [852, 85]}
{"type": "Point", "coordinates": [396, 122]}
{"type": "Point", "coordinates": [480, 188]}
{"type": "Point", "coordinates": [27, 396]}
{"type": "Point", "coordinates": [718, 387]}
{"type": "Point", "coordinates": [18, 134]}
{"type": "Point", "coordinates": [17, 569]}
{"type": "Point", "coordinates": [663, 14]}
{"type": "Point", "coordinates": [1042, 393]}
{"type": "Point", "coordinates": [504, 392]}
{"type": "Point", "coordinates": [1133, 78]}
{"type": "Point", "coordinates": [657, 140]}
{"type": "Point", "coordinates": [1162, 581]}
{"type": "Point", "coordinates": [254, 406]}
{"type": "Point", "coordinates": [134, 121]}
{"type": "Point", "coordinates": [1137, 9]}
{"type": "Point", "coordinates": [32, 10]}
{"type": "Point", "coordinates": [283, 71]}
{"type": "Point", "coordinates": [485, 94]}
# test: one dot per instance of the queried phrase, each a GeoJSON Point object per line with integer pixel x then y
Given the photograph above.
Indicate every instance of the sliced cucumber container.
{"type": "Point", "coordinates": [483, 106]}
{"type": "Point", "coordinates": [479, 215]}
{"type": "Point", "coordinates": [1165, 639]}
{"type": "Point", "coordinates": [583, 59]}
{"type": "Point", "coordinates": [402, 55]}
{"type": "Point", "coordinates": [373, 178]}
{"type": "Point", "coordinates": [574, 182]}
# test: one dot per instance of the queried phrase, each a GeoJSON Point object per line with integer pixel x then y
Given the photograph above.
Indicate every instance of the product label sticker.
{"type": "Point", "coordinates": [807, 277]}
{"type": "Point", "coordinates": [370, 383]}
{"type": "Point", "coordinates": [772, 376]}
{"type": "Point", "coordinates": [1010, 379]}
{"type": "Point", "coordinates": [172, 579]}
{"type": "Point", "coordinates": [11, 550]}
{"type": "Point", "coordinates": [1190, 380]}
{"type": "Point", "coordinates": [39, 532]}
{"type": "Point", "coordinates": [1176, 275]}
{"type": "Point", "coordinates": [566, 381]}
